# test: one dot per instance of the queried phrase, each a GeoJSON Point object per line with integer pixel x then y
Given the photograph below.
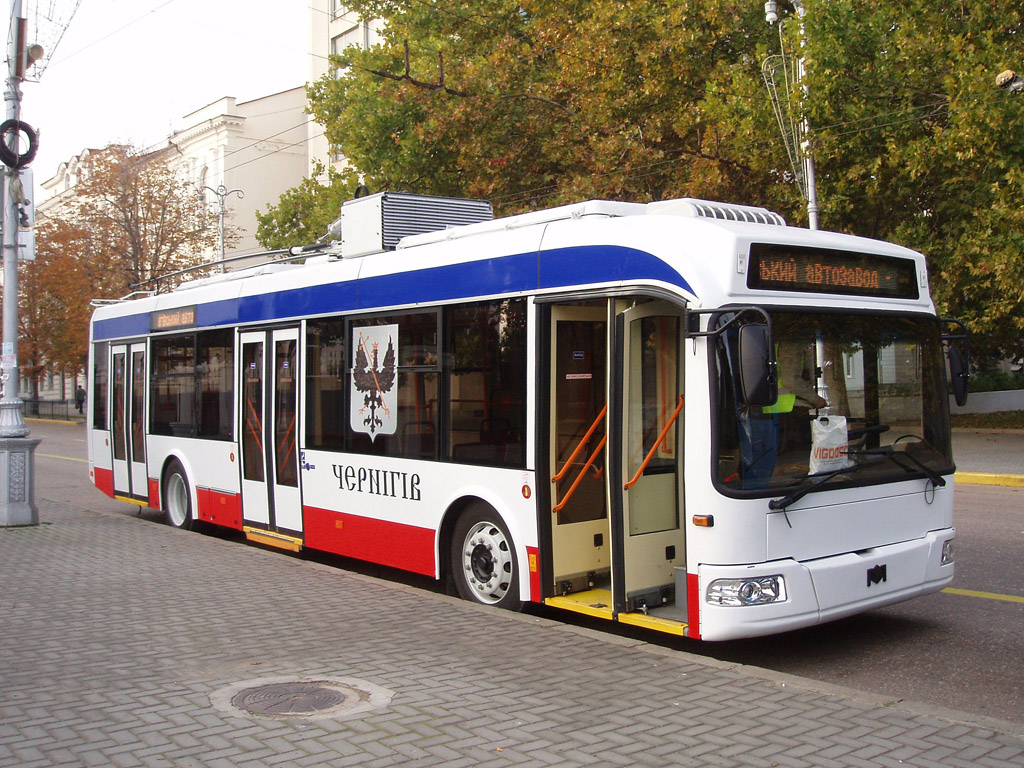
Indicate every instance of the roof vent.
{"type": "Point", "coordinates": [708, 209]}
{"type": "Point", "coordinates": [376, 223]}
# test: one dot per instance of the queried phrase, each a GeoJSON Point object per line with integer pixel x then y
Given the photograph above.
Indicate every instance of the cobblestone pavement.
{"type": "Point", "coordinates": [123, 642]}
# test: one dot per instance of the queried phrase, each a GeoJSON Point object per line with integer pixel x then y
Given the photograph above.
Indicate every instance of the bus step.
{"type": "Point", "coordinates": [273, 539]}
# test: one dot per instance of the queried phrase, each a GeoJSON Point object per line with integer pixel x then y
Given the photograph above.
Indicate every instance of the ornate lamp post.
{"type": "Point", "coordinates": [222, 194]}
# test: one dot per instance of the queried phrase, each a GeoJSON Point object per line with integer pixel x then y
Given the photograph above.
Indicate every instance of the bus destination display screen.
{"type": "Point", "coordinates": [775, 267]}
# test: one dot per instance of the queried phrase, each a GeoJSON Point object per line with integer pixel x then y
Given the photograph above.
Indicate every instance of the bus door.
{"type": "Point", "coordinates": [269, 419]}
{"type": "Point", "coordinates": [577, 448]}
{"type": "Point", "coordinates": [650, 410]}
{"type": "Point", "coordinates": [128, 420]}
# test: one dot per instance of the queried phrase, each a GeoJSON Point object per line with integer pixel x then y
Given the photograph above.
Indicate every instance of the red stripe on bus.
{"type": "Point", "coordinates": [377, 541]}
{"type": "Point", "coordinates": [693, 606]}
{"type": "Point", "coordinates": [154, 493]}
{"type": "Point", "coordinates": [104, 479]}
{"type": "Point", "coordinates": [220, 508]}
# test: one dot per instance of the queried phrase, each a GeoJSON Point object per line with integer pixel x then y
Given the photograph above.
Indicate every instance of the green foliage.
{"type": "Point", "coordinates": [550, 101]}
{"type": "Point", "coordinates": [305, 212]}
{"type": "Point", "coordinates": [546, 100]}
{"type": "Point", "coordinates": [996, 381]}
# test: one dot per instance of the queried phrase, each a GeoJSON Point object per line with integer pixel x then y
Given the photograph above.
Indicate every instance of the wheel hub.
{"type": "Point", "coordinates": [487, 561]}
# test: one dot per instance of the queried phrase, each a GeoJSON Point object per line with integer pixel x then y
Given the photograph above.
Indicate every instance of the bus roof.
{"type": "Point", "coordinates": [693, 249]}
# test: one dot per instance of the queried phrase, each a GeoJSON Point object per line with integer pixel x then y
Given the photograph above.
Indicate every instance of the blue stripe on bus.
{"type": "Point", "coordinates": [560, 268]}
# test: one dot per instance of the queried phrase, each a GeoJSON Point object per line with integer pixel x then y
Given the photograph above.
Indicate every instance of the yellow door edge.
{"type": "Point", "coordinates": [272, 539]}
{"type": "Point", "coordinates": [136, 502]}
{"type": "Point", "coordinates": [667, 626]}
{"type": "Point", "coordinates": [593, 602]}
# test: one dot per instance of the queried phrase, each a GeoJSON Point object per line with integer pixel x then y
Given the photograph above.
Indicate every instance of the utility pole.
{"type": "Point", "coordinates": [17, 450]}
{"type": "Point", "coordinates": [771, 15]}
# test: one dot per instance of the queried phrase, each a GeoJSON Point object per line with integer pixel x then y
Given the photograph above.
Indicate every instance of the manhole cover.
{"type": "Point", "coordinates": [295, 698]}
{"type": "Point", "coordinates": [287, 698]}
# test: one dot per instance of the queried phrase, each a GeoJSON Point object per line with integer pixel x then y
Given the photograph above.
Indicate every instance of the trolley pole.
{"type": "Point", "coordinates": [17, 450]}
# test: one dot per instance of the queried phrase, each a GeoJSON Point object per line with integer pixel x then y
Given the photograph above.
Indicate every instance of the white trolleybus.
{"type": "Point", "coordinates": [680, 415]}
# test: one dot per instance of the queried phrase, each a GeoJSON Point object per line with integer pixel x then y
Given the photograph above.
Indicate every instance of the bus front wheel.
{"type": "Point", "coordinates": [483, 560]}
{"type": "Point", "coordinates": [177, 497]}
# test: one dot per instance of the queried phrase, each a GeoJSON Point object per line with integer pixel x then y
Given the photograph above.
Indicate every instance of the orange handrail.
{"type": "Point", "coordinates": [583, 441]}
{"type": "Point", "coordinates": [661, 437]}
{"type": "Point", "coordinates": [572, 489]}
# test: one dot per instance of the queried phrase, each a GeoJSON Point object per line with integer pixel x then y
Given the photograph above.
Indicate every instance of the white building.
{"type": "Point", "coordinates": [255, 151]}
{"type": "Point", "coordinates": [333, 28]}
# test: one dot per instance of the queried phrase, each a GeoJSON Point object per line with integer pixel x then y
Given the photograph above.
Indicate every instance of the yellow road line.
{"type": "Point", "coordinates": [66, 458]}
{"type": "Point", "coordinates": [986, 595]}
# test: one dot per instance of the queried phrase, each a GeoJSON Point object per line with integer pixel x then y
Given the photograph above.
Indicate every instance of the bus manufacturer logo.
{"type": "Point", "coordinates": [876, 575]}
{"type": "Point", "coordinates": [374, 397]}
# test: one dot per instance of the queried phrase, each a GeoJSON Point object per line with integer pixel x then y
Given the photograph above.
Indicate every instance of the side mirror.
{"type": "Point", "coordinates": [958, 373]}
{"type": "Point", "coordinates": [758, 382]}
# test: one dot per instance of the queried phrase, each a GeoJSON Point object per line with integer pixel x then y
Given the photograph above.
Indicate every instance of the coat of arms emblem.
{"type": "Point", "coordinates": [374, 395]}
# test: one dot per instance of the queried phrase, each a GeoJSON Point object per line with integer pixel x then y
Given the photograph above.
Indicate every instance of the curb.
{"type": "Point", "coordinates": [989, 478]}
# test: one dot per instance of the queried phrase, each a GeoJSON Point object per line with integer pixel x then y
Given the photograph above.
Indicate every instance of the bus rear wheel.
{"type": "Point", "coordinates": [177, 497]}
{"type": "Point", "coordinates": [483, 560]}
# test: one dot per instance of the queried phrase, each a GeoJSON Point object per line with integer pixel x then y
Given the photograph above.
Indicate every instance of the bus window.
{"type": "Point", "coordinates": [487, 383]}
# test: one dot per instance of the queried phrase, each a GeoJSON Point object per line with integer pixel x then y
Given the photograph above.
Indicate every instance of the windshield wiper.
{"type": "Point", "coordinates": [889, 453]}
{"type": "Point", "coordinates": [798, 494]}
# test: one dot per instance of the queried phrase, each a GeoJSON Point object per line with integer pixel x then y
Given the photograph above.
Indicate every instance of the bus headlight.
{"type": "Point", "coordinates": [947, 552]}
{"type": "Point", "coordinates": [756, 591]}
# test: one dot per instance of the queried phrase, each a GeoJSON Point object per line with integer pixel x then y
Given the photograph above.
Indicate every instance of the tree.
{"type": "Point", "coordinates": [519, 102]}
{"type": "Point", "coordinates": [915, 144]}
{"type": "Point", "coordinates": [53, 306]}
{"type": "Point", "coordinates": [131, 219]}
{"type": "Point", "coordinates": [305, 212]}
{"type": "Point", "coordinates": [547, 101]}
{"type": "Point", "coordinates": [142, 220]}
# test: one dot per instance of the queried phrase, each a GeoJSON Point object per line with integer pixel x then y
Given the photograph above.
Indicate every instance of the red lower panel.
{"type": "Point", "coordinates": [693, 606]}
{"type": "Point", "coordinates": [154, 493]}
{"type": "Point", "coordinates": [377, 541]}
{"type": "Point", "coordinates": [104, 479]}
{"type": "Point", "coordinates": [531, 554]}
{"type": "Point", "coordinates": [220, 508]}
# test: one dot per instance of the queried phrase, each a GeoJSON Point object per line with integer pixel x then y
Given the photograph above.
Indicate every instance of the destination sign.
{"type": "Point", "coordinates": [776, 267]}
{"type": "Point", "coordinates": [173, 319]}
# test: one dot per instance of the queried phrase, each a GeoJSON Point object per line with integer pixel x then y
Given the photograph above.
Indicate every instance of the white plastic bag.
{"type": "Point", "coordinates": [829, 444]}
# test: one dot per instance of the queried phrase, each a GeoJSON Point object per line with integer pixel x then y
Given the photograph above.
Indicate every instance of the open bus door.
{"type": "Point", "coordinates": [614, 466]}
{"type": "Point", "coordinates": [647, 447]}
{"type": "Point", "coordinates": [128, 421]}
{"type": "Point", "coordinates": [271, 501]}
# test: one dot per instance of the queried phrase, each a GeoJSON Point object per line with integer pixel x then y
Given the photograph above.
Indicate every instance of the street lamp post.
{"type": "Point", "coordinates": [17, 450]}
{"type": "Point", "coordinates": [222, 194]}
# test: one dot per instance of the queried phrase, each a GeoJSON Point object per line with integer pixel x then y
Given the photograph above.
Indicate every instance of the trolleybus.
{"type": "Point", "coordinates": [681, 415]}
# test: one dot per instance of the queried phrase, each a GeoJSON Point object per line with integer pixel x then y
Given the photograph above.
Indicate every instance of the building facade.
{"type": "Point", "coordinates": [244, 155]}
{"type": "Point", "coordinates": [333, 28]}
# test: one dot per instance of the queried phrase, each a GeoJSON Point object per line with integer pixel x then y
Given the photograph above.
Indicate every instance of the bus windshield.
{"type": "Point", "coordinates": [860, 393]}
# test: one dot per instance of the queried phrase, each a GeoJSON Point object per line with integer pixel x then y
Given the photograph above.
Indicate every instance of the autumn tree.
{"type": "Point", "coordinates": [129, 220]}
{"type": "Point", "coordinates": [53, 307]}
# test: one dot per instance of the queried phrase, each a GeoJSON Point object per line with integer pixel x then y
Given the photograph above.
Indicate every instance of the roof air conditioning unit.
{"type": "Point", "coordinates": [376, 223]}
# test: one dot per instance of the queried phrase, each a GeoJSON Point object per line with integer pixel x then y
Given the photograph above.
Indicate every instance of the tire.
{"type": "Point", "coordinates": [177, 498]}
{"type": "Point", "coordinates": [483, 559]}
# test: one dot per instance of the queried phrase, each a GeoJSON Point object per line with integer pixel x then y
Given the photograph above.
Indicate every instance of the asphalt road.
{"type": "Point", "coordinates": [962, 650]}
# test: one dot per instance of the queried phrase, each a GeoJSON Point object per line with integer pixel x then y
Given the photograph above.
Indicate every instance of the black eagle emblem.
{"type": "Point", "coordinates": [373, 380]}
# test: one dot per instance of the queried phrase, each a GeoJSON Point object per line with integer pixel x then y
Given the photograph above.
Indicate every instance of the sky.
{"type": "Point", "coordinates": [128, 71]}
